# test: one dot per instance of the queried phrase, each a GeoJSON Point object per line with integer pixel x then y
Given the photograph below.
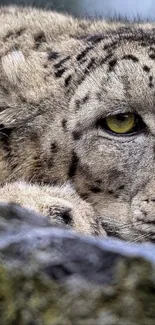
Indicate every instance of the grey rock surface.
{"type": "Point", "coordinates": [53, 276]}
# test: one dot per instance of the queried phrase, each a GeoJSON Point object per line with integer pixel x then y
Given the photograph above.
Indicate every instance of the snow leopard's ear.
{"type": "Point", "coordinates": [11, 63]}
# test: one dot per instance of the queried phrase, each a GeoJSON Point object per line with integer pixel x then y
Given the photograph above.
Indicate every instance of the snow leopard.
{"type": "Point", "coordinates": [77, 121]}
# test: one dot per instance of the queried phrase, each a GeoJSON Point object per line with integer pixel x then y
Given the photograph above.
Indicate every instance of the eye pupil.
{"type": "Point", "coordinates": [121, 117]}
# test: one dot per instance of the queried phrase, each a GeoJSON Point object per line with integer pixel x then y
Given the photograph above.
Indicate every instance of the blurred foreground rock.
{"type": "Point", "coordinates": [51, 276]}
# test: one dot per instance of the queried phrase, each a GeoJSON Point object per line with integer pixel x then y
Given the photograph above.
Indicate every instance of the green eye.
{"type": "Point", "coordinates": [122, 124]}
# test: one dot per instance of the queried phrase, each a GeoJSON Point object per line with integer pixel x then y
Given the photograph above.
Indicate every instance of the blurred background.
{"type": "Point", "coordinates": [143, 9]}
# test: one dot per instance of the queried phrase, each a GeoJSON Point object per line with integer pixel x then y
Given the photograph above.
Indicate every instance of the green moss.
{"type": "Point", "coordinates": [7, 305]}
{"type": "Point", "coordinates": [34, 298]}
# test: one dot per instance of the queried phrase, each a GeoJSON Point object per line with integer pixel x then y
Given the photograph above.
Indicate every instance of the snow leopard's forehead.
{"type": "Point", "coordinates": [93, 62]}
{"type": "Point", "coordinates": [77, 57]}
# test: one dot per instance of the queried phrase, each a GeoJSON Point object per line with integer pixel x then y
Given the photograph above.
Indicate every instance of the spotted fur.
{"type": "Point", "coordinates": [59, 78]}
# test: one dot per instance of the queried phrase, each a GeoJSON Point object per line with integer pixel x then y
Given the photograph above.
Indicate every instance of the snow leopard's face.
{"type": "Point", "coordinates": [114, 134]}
{"type": "Point", "coordinates": [84, 110]}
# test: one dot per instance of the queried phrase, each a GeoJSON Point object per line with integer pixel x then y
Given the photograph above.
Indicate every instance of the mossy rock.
{"type": "Point", "coordinates": [52, 276]}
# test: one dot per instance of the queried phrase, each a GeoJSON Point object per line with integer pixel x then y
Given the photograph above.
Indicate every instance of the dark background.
{"type": "Point", "coordinates": [144, 9]}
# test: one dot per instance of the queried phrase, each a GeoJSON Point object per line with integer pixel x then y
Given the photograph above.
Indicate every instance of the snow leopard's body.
{"type": "Point", "coordinates": [59, 79]}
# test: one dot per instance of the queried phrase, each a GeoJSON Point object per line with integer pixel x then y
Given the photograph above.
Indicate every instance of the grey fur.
{"type": "Point", "coordinates": [58, 77]}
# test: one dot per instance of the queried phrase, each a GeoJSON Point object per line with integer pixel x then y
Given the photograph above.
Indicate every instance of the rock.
{"type": "Point", "coordinates": [53, 276]}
